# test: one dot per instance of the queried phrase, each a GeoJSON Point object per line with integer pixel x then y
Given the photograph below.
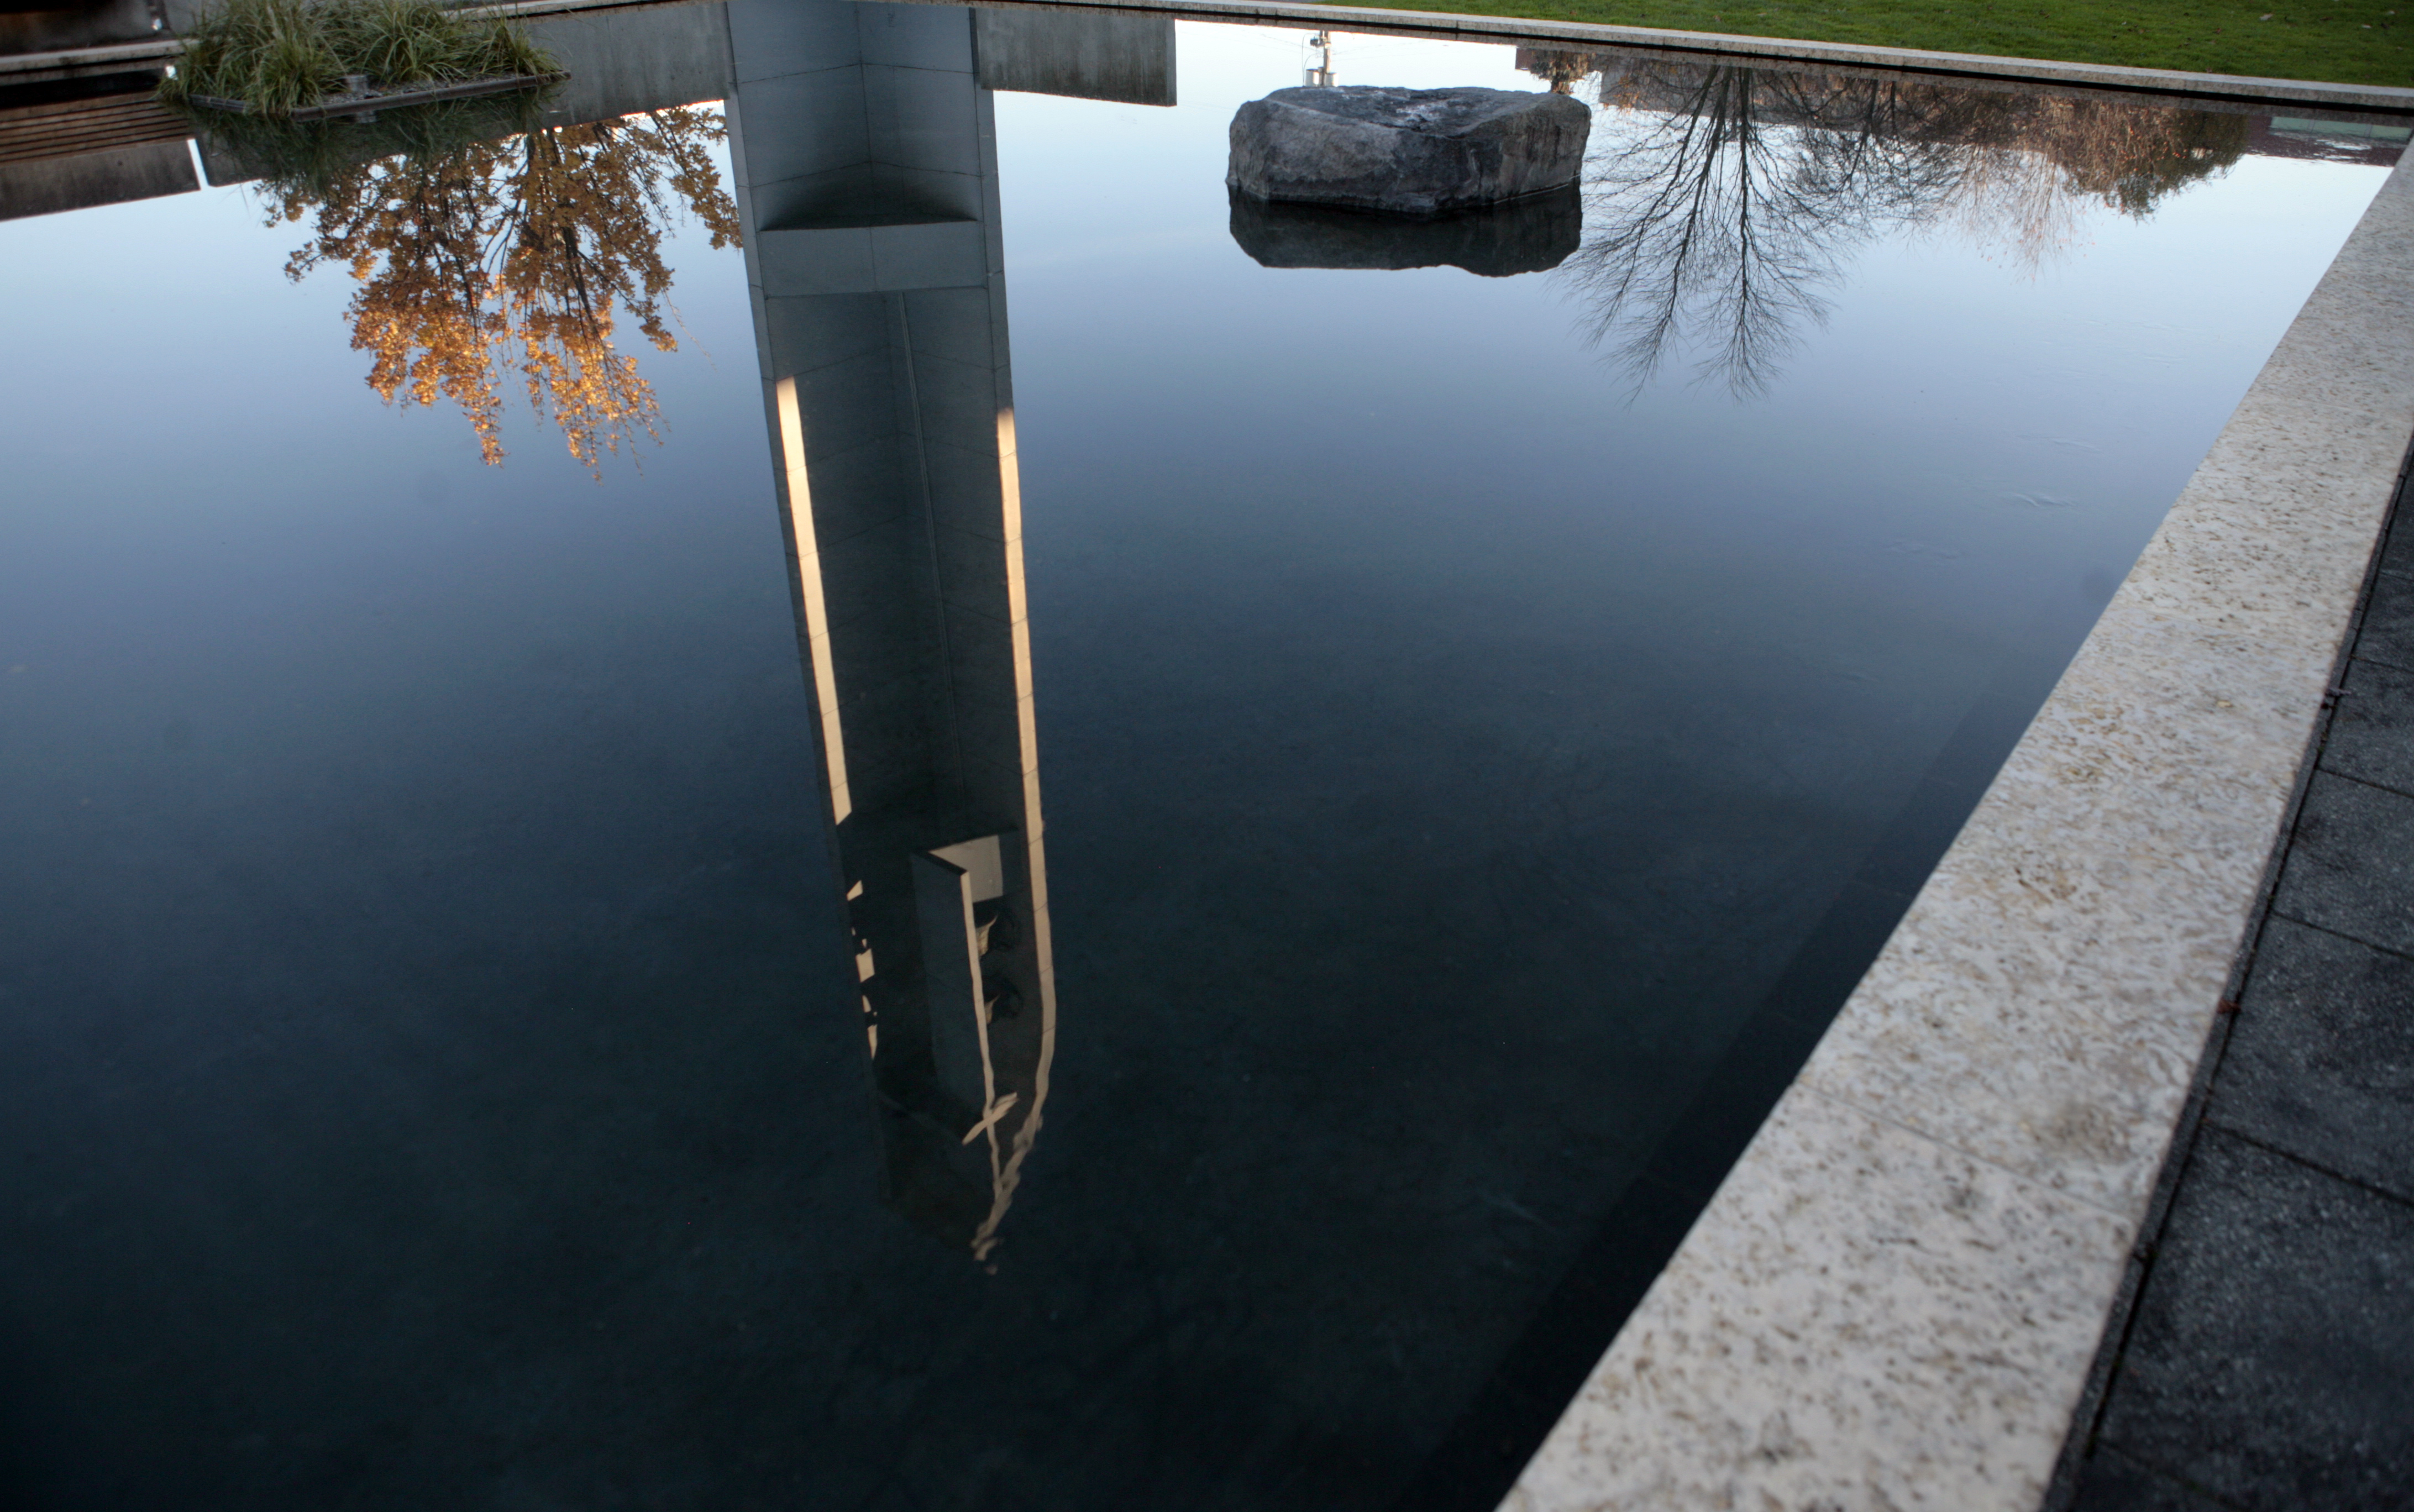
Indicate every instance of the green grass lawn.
{"type": "Point", "coordinates": [2363, 42]}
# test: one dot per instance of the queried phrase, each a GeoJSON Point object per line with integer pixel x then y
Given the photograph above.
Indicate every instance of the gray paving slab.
{"type": "Point", "coordinates": [2272, 1361]}
{"type": "Point", "coordinates": [2350, 868]}
{"type": "Point", "coordinates": [2116, 1483]}
{"type": "Point", "coordinates": [2397, 555]}
{"type": "Point", "coordinates": [2372, 733]}
{"type": "Point", "coordinates": [2321, 1063]}
{"type": "Point", "coordinates": [2388, 619]}
{"type": "Point", "coordinates": [2266, 1359]}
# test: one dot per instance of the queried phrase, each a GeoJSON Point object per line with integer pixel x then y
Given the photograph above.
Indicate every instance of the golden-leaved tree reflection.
{"type": "Point", "coordinates": [1722, 202]}
{"type": "Point", "coordinates": [488, 260]}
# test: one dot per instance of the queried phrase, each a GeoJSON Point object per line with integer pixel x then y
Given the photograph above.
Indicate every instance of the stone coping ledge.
{"type": "Point", "coordinates": [2204, 87]}
{"type": "Point", "coordinates": [2311, 93]}
{"type": "Point", "coordinates": [1895, 1297]}
{"type": "Point", "coordinates": [28, 67]}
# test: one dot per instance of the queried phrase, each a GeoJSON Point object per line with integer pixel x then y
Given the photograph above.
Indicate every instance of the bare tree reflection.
{"type": "Point", "coordinates": [1721, 218]}
{"type": "Point", "coordinates": [1724, 202]}
{"type": "Point", "coordinates": [490, 256]}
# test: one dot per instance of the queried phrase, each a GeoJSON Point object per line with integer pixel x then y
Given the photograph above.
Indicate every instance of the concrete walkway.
{"type": "Point", "coordinates": [2263, 1355]}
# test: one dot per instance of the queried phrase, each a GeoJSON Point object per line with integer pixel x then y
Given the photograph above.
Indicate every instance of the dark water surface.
{"type": "Point", "coordinates": [525, 985]}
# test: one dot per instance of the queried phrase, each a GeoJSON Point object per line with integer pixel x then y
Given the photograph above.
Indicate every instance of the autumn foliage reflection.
{"type": "Point", "coordinates": [1722, 202]}
{"type": "Point", "coordinates": [516, 258]}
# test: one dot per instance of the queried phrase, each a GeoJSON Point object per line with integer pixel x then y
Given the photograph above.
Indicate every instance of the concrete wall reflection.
{"type": "Point", "coordinates": [865, 150]}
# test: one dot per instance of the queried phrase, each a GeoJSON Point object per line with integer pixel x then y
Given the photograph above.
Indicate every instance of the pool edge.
{"type": "Point", "coordinates": [1461, 26]}
{"type": "Point", "coordinates": [1897, 1294]}
{"type": "Point", "coordinates": [2235, 88]}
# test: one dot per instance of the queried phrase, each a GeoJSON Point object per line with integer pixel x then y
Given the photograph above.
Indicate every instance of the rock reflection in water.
{"type": "Point", "coordinates": [1724, 202]}
{"type": "Point", "coordinates": [508, 253]}
{"type": "Point", "coordinates": [1530, 235]}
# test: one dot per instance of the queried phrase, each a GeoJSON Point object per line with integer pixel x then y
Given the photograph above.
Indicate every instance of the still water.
{"type": "Point", "coordinates": [1045, 841]}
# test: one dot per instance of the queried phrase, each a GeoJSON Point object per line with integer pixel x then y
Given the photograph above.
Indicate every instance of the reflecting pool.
{"type": "Point", "coordinates": [801, 780]}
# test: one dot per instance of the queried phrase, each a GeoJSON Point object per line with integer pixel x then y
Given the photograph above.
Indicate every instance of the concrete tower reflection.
{"type": "Point", "coordinates": [864, 145]}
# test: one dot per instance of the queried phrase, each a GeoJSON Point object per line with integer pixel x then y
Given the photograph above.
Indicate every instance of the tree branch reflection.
{"type": "Point", "coordinates": [481, 258]}
{"type": "Point", "coordinates": [1722, 203]}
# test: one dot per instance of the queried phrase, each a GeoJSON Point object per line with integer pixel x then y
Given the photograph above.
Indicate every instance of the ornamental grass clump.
{"type": "Point", "coordinates": [278, 56]}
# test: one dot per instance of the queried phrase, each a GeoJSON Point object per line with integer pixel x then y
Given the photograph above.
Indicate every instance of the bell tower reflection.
{"type": "Point", "coordinates": [864, 145]}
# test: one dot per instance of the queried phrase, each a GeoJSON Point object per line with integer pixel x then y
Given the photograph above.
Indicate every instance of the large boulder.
{"type": "Point", "coordinates": [1534, 234]}
{"type": "Point", "coordinates": [1413, 151]}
